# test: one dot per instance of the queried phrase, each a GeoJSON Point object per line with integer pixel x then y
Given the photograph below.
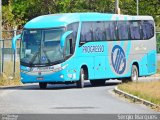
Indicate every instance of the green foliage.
{"type": "Point", "coordinates": [158, 42]}
{"type": "Point", "coordinates": [18, 12]}
{"type": "Point", "coordinates": [7, 15]}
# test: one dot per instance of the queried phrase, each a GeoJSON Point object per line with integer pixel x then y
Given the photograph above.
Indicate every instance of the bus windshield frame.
{"type": "Point", "coordinates": [41, 47]}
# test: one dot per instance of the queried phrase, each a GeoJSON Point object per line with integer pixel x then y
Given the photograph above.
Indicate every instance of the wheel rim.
{"type": "Point", "coordinates": [82, 76]}
{"type": "Point", "coordinates": [134, 75]}
{"type": "Point", "coordinates": [82, 79]}
{"type": "Point", "coordinates": [80, 82]}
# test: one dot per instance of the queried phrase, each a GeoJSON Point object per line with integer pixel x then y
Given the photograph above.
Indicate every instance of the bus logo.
{"type": "Point", "coordinates": [118, 59]}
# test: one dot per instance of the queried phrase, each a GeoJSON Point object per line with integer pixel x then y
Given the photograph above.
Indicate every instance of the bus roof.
{"type": "Point", "coordinates": [60, 20]}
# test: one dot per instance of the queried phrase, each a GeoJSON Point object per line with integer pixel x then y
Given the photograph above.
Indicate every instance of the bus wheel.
{"type": "Point", "coordinates": [134, 74]}
{"type": "Point", "coordinates": [80, 82]}
{"type": "Point", "coordinates": [97, 82]}
{"type": "Point", "coordinates": [43, 85]}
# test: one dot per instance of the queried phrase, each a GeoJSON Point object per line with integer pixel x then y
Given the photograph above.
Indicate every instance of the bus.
{"type": "Point", "coordinates": [74, 47]}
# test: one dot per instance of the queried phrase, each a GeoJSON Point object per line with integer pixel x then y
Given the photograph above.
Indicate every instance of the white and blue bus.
{"type": "Point", "coordinates": [74, 47]}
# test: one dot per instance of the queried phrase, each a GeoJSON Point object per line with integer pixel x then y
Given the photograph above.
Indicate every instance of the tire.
{"type": "Point", "coordinates": [97, 82]}
{"type": "Point", "coordinates": [134, 74]}
{"type": "Point", "coordinates": [80, 82]}
{"type": "Point", "coordinates": [43, 85]}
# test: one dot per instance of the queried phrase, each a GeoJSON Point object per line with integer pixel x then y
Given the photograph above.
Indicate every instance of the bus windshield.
{"type": "Point", "coordinates": [41, 47]}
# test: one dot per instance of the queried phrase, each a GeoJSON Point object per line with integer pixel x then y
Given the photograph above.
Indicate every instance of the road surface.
{"type": "Point", "coordinates": [66, 99]}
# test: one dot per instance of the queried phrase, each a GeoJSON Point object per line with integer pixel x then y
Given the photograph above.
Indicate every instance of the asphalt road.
{"type": "Point", "coordinates": [66, 99]}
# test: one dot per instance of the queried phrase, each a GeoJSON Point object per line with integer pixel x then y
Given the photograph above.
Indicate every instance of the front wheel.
{"type": "Point", "coordinates": [43, 85]}
{"type": "Point", "coordinates": [134, 74]}
{"type": "Point", "coordinates": [80, 82]}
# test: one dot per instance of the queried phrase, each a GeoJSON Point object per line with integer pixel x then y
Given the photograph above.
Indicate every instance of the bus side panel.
{"type": "Point", "coordinates": [100, 67]}
{"type": "Point", "coordinates": [141, 60]}
{"type": "Point", "coordinates": [152, 61]}
{"type": "Point", "coordinates": [85, 61]}
{"type": "Point", "coordinates": [119, 59]}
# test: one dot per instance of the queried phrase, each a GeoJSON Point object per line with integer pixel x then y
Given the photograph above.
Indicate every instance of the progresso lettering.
{"type": "Point", "coordinates": [92, 49]}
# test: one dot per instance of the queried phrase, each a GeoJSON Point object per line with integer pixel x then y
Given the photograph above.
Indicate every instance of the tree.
{"type": "Point", "coordinates": [18, 12]}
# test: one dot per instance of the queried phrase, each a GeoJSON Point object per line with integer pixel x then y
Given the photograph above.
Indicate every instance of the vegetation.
{"type": "Point", "coordinates": [158, 42]}
{"type": "Point", "coordinates": [18, 12]}
{"type": "Point", "coordinates": [158, 68]}
{"type": "Point", "coordinates": [8, 78]}
{"type": "Point", "coordinates": [148, 91]}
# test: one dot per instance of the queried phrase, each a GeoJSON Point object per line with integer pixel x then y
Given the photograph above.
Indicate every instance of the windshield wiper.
{"type": "Point", "coordinates": [49, 61]}
{"type": "Point", "coordinates": [34, 57]}
{"type": "Point", "coordinates": [37, 54]}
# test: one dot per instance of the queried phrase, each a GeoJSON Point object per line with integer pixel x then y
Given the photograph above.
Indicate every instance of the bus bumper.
{"type": "Point", "coordinates": [60, 76]}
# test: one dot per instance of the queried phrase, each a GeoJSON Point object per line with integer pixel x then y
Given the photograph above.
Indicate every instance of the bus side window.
{"type": "Point", "coordinates": [86, 32]}
{"type": "Point", "coordinates": [135, 30]}
{"type": "Point", "coordinates": [73, 27]}
{"type": "Point", "coordinates": [98, 31]}
{"type": "Point", "coordinates": [147, 29]}
{"type": "Point", "coordinates": [123, 30]}
{"type": "Point", "coordinates": [68, 47]}
{"type": "Point", "coordinates": [110, 30]}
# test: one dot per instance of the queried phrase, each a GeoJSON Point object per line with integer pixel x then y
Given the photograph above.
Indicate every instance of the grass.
{"type": "Point", "coordinates": [149, 91]}
{"type": "Point", "coordinates": [146, 90]}
{"type": "Point", "coordinates": [8, 78]}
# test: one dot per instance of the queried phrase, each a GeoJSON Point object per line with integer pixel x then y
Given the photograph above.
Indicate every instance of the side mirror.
{"type": "Point", "coordinates": [14, 40]}
{"type": "Point", "coordinates": [63, 38]}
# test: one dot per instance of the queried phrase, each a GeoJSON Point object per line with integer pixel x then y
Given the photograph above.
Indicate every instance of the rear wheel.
{"type": "Point", "coordinates": [134, 74]}
{"type": "Point", "coordinates": [43, 85]}
{"type": "Point", "coordinates": [80, 82]}
{"type": "Point", "coordinates": [97, 82]}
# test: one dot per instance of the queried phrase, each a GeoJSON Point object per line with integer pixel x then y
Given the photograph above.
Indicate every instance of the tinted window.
{"type": "Point", "coordinates": [148, 29]}
{"type": "Point", "coordinates": [123, 30]}
{"type": "Point", "coordinates": [98, 31]}
{"type": "Point", "coordinates": [110, 30]}
{"type": "Point", "coordinates": [73, 27]}
{"type": "Point", "coordinates": [68, 46]}
{"type": "Point", "coordinates": [135, 30]}
{"type": "Point", "coordinates": [86, 32]}
{"type": "Point", "coordinates": [52, 35]}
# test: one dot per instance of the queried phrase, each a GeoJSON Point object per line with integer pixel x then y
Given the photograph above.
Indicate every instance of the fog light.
{"type": "Point", "coordinates": [21, 78]}
{"type": "Point", "coordinates": [61, 76]}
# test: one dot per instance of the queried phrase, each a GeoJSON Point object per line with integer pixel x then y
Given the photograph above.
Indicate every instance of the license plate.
{"type": "Point", "coordinates": [40, 78]}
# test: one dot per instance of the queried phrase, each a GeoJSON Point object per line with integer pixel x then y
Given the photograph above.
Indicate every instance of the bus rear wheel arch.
{"type": "Point", "coordinates": [83, 77]}
{"type": "Point", "coordinates": [134, 74]}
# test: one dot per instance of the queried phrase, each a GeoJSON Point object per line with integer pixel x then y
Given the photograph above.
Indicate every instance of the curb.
{"type": "Point", "coordinates": [149, 79]}
{"type": "Point", "coordinates": [135, 98]}
{"type": "Point", "coordinates": [7, 87]}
